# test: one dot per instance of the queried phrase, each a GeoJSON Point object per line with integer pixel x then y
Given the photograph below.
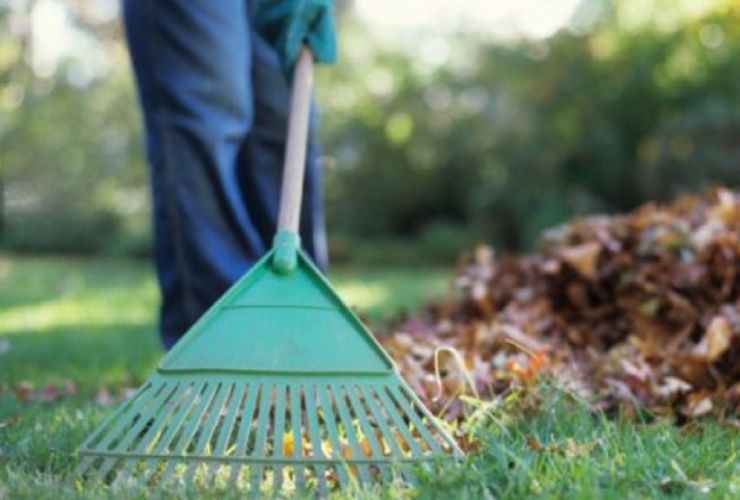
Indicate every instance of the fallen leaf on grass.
{"type": "Point", "coordinates": [26, 392]}
{"type": "Point", "coordinates": [126, 392]}
{"type": "Point", "coordinates": [23, 391]}
{"type": "Point", "coordinates": [573, 449]}
{"type": "Point", "coordinates": [103, 396]}
{"type": "Point", "coordinates": [570, 449]}
{"type": "Point", "coordinates": [534, 443]}
{"type": "Point", "coordinates": [48, 393]}
{"type": "Point", "coordinates": [11, 420]}
{"type": "Point", "coordinates": [691, 428]}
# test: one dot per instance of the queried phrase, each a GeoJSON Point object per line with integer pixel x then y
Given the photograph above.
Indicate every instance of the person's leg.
{"type": "Point", "coordinates": [261, 159]}
{"type": "Point", "coordinates": [192, 60]}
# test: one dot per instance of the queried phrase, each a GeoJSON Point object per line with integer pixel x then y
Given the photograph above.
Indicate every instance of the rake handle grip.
{"type": "Point", "coordinates": [295, 156]}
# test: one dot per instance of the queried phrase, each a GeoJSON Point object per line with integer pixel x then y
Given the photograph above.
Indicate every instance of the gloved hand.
{"type": "Point", "coordinates": [288, 24]}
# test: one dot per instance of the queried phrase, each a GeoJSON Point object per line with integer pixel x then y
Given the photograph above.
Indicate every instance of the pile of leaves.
{"type": "Point", "coordinates": [634, 311]}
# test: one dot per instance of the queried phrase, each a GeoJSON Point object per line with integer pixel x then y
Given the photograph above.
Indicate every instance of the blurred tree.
{"type": "Point", "coordinates": [72, 173]}
{"type": "Point", "coordinates": [633, 101]}
{"type": "Point", "coordinates": [495, 139]}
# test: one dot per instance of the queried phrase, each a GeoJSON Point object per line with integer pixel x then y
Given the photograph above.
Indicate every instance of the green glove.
{"type": "Point", "coordinates": [288, 24]}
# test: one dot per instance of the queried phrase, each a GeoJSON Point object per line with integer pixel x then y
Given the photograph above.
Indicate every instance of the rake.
{"type": "Point", "coordinates": [278, 386]}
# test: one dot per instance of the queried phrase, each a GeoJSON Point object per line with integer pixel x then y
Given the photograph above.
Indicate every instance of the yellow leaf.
{"type": "Point", "coordinates": [573, 449]}
{"type": "Point", "coordinates": [288, 444]}
{"type": "Point", "coordinates": [365, 447]}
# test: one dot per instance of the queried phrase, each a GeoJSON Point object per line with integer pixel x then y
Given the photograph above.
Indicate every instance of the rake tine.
{"type": "Point", "coordinates": [244, 429]}
{"type": "Point", "coordinates": [392, 411]}
{"type": "Point", "coordinates": [151, 432]}
{"type": "Point", "coordinates": [173, 427]}
{"type": "Point", "coordinates": [331, 429]}
{"type": "Point", "coordinates": [367, 429]}
{"type": "Point", "coordinates": [137, 428]}
{"type": "Point", "coordinates": [88, 459]}
{"type": "Point", "coordinates": [123, 418]}
{"type": "Point", "coordinates": [278, 428]}
{"type": "Point", "coordinates": [261, 438]}
{"type": "Point", "coordinates": [190, 429]}
{"type": "Point", "coordinates": [237, 396]}
{"type": "Point", "coordinates": [207, 428]}
{"type": "Point", "coordinates": [446, 437]}
{"type": "Point", "coordinates": [350, 431]}
{"type": "Point", "coordinates": [381, 419]}
{"type": "Point", "coordinates": [412, 414]}
{"type": "Point", "coordinates": [106, 466]}
{"type": "Point", "coordinates": [83, 465]}
{"type": "Point", "coordinates": [295, 419]}
{"type": "Point", "coordinates": [436, 423]}
{"type": "Point", "coordinates": [313, 426]}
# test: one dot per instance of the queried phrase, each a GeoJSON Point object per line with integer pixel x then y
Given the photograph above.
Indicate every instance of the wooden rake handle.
{"type": "Point", "coordinates": [295, 155]}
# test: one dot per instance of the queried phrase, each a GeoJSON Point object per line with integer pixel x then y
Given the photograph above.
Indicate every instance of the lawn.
{"type": "Point", "coordinates": [84, 330]}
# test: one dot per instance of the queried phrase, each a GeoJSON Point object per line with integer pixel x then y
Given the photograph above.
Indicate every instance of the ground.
{"type": "Point", "coordinates": [75, 332]}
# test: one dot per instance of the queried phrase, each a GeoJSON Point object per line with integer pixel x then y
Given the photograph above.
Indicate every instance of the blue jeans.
{"type": "Point", "coordinates": [215, 109]}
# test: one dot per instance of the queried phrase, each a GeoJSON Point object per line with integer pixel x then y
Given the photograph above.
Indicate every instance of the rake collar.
{"type": "Point", "coordinates": [286, 245]}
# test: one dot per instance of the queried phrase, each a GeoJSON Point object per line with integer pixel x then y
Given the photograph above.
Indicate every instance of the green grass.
{"type": "Point", "coordinates": [93, 322]}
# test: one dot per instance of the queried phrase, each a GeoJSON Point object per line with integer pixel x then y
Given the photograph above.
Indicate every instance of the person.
{"type": "Point", "coordinates": [213, 80]}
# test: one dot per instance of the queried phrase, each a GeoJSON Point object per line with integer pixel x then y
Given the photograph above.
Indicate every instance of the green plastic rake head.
{"type": "Point", "coordinates": [277, 387]}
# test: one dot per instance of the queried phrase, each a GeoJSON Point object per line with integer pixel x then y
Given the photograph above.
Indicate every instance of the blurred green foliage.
{"type": "Point", "coordinates": [72, 167]}
{"type": "Point", "coordinates": [506, 139]}
{"type": "Point", "coordinates": [498, 141]}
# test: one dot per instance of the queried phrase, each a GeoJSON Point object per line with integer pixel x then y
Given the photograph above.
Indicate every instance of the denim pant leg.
{"type": "Point", "coordinates": [213, 173]}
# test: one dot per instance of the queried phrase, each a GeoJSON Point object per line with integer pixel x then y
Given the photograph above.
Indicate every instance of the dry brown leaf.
{"type": "Point", "coordinates": [691, 428]}
{"type": "Point", "coordinates": [727, 207]}
{"type": "Point", "coordinates": [672, 386]}
{"type": "Point", "coordinates": [365, 447]}
{"type": "Point", "coordinates": [625, 324]}
{"type": "Point", "coordinates": [698, 405]}
{"type": "Point", "coordinates": [519, 338]}
{"type": "Point", "coordinates": [103, 396]}
{"type": "Point", "coordinates": [534, 443]}
{"type": "Point", "coordinates": [23, 391]}
{"type": "Point", "coordinates": [716, 340]}
{"type": "Point", "coordinates": [48, 393]}
{"type": "Point", "coordinates": [583, 258]}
